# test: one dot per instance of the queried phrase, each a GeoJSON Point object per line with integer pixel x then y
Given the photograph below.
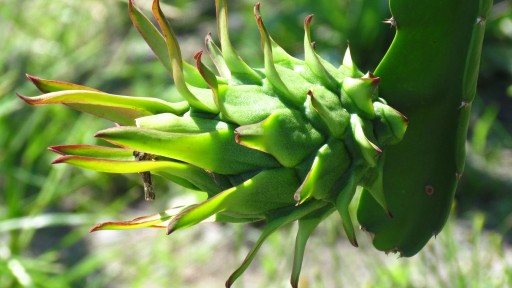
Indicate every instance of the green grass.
{"type": "Point", "coordinates": [46, 211]}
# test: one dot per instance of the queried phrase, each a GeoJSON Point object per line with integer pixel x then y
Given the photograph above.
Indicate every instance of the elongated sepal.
{"type": "Point", "coordinates": [159, 220]}
{"type": "Point", "coordinates": [285, 134]}
{"type": "Point", "coordinates": [390, 126]}
{"type": "Point", "coordinates": [216, 56]}
{"type": "Point", "coordinates": [117, 108]}
{"type": "Point", "coordinates": [93, 151]}
{"type": "Point", "coordinates": [184, 174]}
{"type": "Point", "coordinates": [270, 68]}
{"type": "Point", "coordinates": [168, 122]}
{"type": "Point", "coordinates": [276, 220]}
{"type": "Point", "coordinates": [306, 226]}
{"type": "Point", "coordinates": [313, 62]}
{"type": "Point", "coordinates": [215, 151]}
{"type": "Point", "coordinates": [328, 106]}
{"type": "Point", "coordinates": [342, 202]}
{"type": "Point", "coordinates": [361, 131]}
{"type": "Point", "coordinates": [268, 190]}
{"type": "Point", "coordinates": [360, 91]}
{"type": "Point", "coordinates": [329, 166]}
{"type": "Point", "coordinates": [204, 104]}
{"type": "Point", "coordinates": [209, 77]}
{"type": "Point", "coordinates": [47, 86]}
{"type": "Point", "coordinates": [240, 71]}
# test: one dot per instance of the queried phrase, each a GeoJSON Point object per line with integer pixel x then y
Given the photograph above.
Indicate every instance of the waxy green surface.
{"type": "Point", "coordinates": [429, 74]}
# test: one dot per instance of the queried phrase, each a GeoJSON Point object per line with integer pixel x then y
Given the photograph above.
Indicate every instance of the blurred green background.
{"type": "Point", "coordinates": [46, 211]}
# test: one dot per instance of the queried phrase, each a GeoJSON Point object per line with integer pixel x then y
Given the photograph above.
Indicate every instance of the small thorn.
{"type": "Point", "coordinates": [458, 176]}
{"type": "Point", "coordinates": [391, 21]}
{"type": "Point", "coordinates": [480, 20]}
{"type": "Point", "coordinates": [390, 215]}
{"type": "Point", "coordinates": [313, 45]}
{"type": "Point", "coordinates": [464, 104]}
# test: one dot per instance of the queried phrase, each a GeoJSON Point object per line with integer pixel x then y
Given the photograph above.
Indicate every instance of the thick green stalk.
{"type": "Point", "coordinates": [429, 74]}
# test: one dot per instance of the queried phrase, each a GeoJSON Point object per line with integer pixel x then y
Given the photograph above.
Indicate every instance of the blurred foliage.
{"type": "Point", "coordinates": [45, 210]}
